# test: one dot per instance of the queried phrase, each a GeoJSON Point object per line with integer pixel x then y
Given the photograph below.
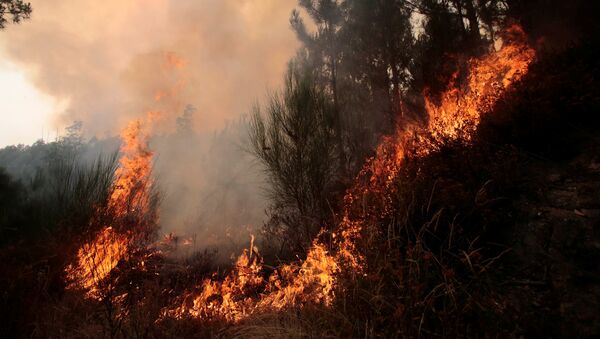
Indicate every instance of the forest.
{"type": "Point", "coordinates": [428, 168]}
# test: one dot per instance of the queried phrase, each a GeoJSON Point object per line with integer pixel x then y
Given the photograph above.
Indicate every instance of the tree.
{"type": "Point", "coordinates": [15, 10]}
{"type": "Point", "coordinates": [444, 35]}
{"type": "Point", "coordinates": [324, 48]}
{"type": "Point", "coordinates": [381, 53]}
{"type": "Point", "coordinates": [67, 146]}
{"type": "Point", "coordinates": [294, 142]}
{"type": "Point", "coordinates": [74, 133]}
{"type": "Point", "coordinates": [491, 13]}
{"type": "Point", "coordinates": [363, 66]}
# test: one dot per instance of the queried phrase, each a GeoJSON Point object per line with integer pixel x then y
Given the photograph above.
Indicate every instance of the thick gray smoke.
{"type": "Point", "coordinates": [114, 60]}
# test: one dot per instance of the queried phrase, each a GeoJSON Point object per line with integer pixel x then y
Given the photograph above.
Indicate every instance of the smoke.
{"type": "Point", "coordinates": [101, 58]}
{"type": "Point", "coordinates": [114, 60]}
{"type": "Point", "coordinates": [215, 195]}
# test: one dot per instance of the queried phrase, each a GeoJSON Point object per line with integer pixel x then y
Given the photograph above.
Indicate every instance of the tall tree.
{"type": "Point", "coordinates": [444, 34]}
{"type": "Point", "coordinates": [324, 48]}
{"type": "Point", "coordinates": [380, 53]}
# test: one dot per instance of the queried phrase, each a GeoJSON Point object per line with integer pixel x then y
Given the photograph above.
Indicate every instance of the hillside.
{"type": "Point", "coordinates": [428, 168]}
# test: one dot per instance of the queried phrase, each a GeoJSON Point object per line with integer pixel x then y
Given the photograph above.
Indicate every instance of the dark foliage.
{"type": "Point", "coordinates": [61, 197]}
{"type": "Point", "coordinates": [294, 142]}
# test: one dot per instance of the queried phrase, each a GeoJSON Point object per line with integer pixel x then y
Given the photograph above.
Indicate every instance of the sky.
{"type": "Point", "coordinates": [103, 62]}
{"type": "Point", "coordinates": [26, 111]}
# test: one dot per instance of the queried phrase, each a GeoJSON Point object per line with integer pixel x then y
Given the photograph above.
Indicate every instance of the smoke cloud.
{"type": "Point", "coordinates": [105, 59]}
{"type": "Point", "coordinates": [111, 61]}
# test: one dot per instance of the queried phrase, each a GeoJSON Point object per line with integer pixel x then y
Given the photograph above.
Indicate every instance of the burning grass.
{"type": "Point", "coordinates": [415, 253]}
{"type": "Point", "coordinates": [246, 291]}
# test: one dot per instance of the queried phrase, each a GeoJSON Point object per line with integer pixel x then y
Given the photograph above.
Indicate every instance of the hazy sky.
{"type": "Point", "coordinates": [26, 113]}
{"type": "Point", "coordinates": [103, 62]}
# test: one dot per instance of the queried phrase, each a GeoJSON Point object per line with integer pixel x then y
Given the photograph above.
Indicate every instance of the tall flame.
{"type": "Point", "coordinates": [133, 181]}
{"type": "Point", "coordinates": [456, 117]}
{"type": "Point", "coordinates": [131, 192]}
{"type": "Point", "coordinates": [458, 114]}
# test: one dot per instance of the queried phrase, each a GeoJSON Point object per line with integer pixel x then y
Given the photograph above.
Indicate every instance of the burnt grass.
{"type": "Point", "coordinates": [498, 238]}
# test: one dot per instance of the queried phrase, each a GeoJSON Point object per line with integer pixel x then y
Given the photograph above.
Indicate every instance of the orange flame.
{"type": "Point", "coordinates": [230, 299]}
{"type": "Point", "coordinates": [455, 118]}
{"type": "Point", "coordinates": [131, 192]}
{"type": "Point", "coordinates": [459, 111]}
{"type": "Point", "coordinates": [245, 291]}
{"type": "Point", "coordinates": [172, 60]}
{"type": "Point", "coordinates": [132, 186]}
{"type": "Point", "coordinates": [314, 280]}
{"type": "Point", "coordinates": [97, 259]}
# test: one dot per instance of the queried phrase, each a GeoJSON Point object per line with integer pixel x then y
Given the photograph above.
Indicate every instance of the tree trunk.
{"type": "Point", "coordinates": [459, 9]}
{"type": "Point", "coordinates": [474, 34]}
{"type": "Point", "coordinates": [336, 107]}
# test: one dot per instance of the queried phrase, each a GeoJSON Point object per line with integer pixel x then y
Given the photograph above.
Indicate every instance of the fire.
{"type": "Point", "coordinates": [133, 183]}
{"type": "Point", "coordinates": [458, 114]}
{"type": "Point", "coordinates": [456, 117]}
{"type": "Point", "coordinates": [314, 280]}
{"type": "Point", "coordinates": [231, 299]}
{"type": "Point", "coordinates": [131, 196]}
{"type": "Point", "coordinates": [247, 290]}
{"type": "Point", "coordinates": [172, 60]}
{"type": "Point", "coordinates": [131, 193]}
{"type": "Point", "coordinates": [97, 259]}
{"type": "Point", "coordinates": [311, 282]}
{"type": "Point", "coordinates": [226, 299]}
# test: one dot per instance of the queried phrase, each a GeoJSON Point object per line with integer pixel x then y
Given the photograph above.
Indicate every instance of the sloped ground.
{"type": "Point", "coordinates": [500, 238]}
{"type": "Point", "coordinates": [552, 278]}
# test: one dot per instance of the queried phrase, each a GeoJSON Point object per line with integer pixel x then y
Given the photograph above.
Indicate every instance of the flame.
{"type": "Point", "coordinates": [246, 290]}
{"type": "Point", "coordinates": [133, 180]}
{"type": "Point", "coordinates": [313, 281]}
{"type": "Point", "coordinates": [456, 117]}
{"type": "Point", "coordinates": [131, 193]}
{"type": "Point", "coordinates": [97, 259]}
{"type": "Point", "coordinates": [172, 60]}
{"type": "Point", "coordinates": [226, 299]}
{"type": "Point", "coordinates": [231, 299]}
{"type": "Point", "coordinates": [458, 114]}
{"type": "Point", "coordinates": [172, 67]}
